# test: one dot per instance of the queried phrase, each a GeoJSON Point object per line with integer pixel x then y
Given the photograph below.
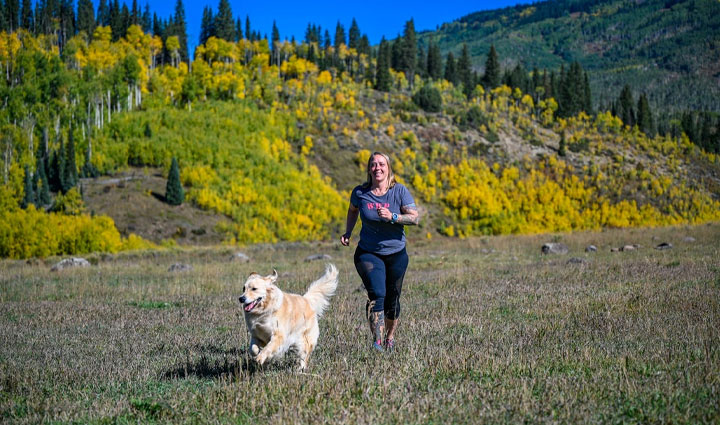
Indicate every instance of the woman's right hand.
{"type": "Point", "coordinates": [345, 239]}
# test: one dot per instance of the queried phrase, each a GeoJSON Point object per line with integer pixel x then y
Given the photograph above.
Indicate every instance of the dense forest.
{"type": "Point", "coordinates": [256, 128]}
{"type": "Point", "coordinates": [665, 50]}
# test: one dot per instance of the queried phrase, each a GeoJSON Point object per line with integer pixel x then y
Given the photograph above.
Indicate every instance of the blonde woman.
{"type": "Point", "coordinates": [385, 208]}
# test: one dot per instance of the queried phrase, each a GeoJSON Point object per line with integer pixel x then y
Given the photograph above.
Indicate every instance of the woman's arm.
{"type": "Point", "coordinates": [409, 215]}
{"type": "Point", "coordinates": [352, 216]}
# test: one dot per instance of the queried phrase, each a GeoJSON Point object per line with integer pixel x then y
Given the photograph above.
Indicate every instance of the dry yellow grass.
{"type": "Point", "coordinates": [492, 331]}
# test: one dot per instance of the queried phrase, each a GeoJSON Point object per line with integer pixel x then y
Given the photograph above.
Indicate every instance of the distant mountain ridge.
{"type": "Point", "coordinates": [668, 49]}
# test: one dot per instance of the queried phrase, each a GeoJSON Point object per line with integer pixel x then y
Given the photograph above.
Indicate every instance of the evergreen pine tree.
{"type": "Point", "coordinates": [85, 17]}
{"type": "Point", "coordinates": [396, 53]}
{"type": "Point", "coordinates": [491, 79]}
{"type": "Point", "coordinates": [224, 26]}
{"type": "Point", "coordinates": [248, 33]}
{"type": "Point", "coordinates": [327, 42]}
{"type": "Point", "coordinates": [354, 35]}
{"type": "Point", "coordinates": [12, 15]}
{"type": "Point", "coordinates": [146, 19]}
{"type": "Point", "coordinates": [464, 71]}
{"type": "Point", "coordinates": [57, 165]}
{"type": "Point", "coordinates": [689, 126]}
{"type": "Point", "coordinates": [3, 22]}
{"type": "Point", "coordinates": [206, 25]}
{"type": "Point", "coordinates": [103, 14]}
{"type": "Point", "coordinates": [135, 14]}
{"type": "Point", "coordinates": [587, 107]}
{"type": "Point", "coordinates": [275, 39]}
{"type": "Point", "coordinates": [115, 19]}
{"type": "Point", "coordinates": [26, 16]}
{"type": "Point", "coordinates": [238, 30]}
{"type": "Point", "coordinates": [625, 106]}
{"type": "Point", "coordinates": [364, 46]}
{"type": "Point", "coordinates": [644, 116]}
{"type": "Point", "coordinates": [174, 194]}
{"type": "Point", "coordinates": [42, 193]}
{"type": "Point", "coordinates": [434, 62]}
{"type": "Point", "coordinates": [29, 196]}
{"type": "Point", "coordinates": [450, 72]}
{"type": "Point", "coordinates": [180, 30]}
{"type": "Point", "coordinates": [562, 147]}
{"type": "Point", "coordinates": [339, 35]}
{"type": "Point", "coordinates": [421, 64]}
{"type": "Point", "coordinates": [382, 74]}
{"type": "Point", "coordinates": [69, 173]}
{"type": "Point", "coordinates": [409, 52]}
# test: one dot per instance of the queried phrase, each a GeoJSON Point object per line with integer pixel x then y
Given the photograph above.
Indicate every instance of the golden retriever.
{"type": "Point", "coordinates": [278, 321]}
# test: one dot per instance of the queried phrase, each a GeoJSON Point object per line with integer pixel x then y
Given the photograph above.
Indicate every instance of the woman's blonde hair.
{"type": "Point", "coordinates": [391, 175]}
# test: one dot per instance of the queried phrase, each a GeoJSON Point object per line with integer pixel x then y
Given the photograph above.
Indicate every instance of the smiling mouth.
{"type": "Point", "coordinates": [252, 305]}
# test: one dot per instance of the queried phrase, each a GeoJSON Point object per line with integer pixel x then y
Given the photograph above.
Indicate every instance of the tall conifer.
{"type": "Point", "coordinates": [174, 193]}
{"type": "Point", "coordinates": [179, 29]}
{"type": "Point", "coordinates": [29, 195]}
{"type": "Point", "coordinates": [464, 71]}
{"type": "Point", "coordinates": [434, 62]}
{"type": "Point", "coordinates": [408, 60]}
{"type": "Point", "coordinates": [644, 116]}
{"type": "Point", "coordinates": [26, 16]}
{"type": "Point", "coordinates": [86, 17]}
{"type": "Point", "coordinates": [224, 24]}
{"type": "Point", "coordinates": [450, 71]}
{"type": "Point", "coordinates": [382, 74]}
{"type": "Point", "coordinates": [69, 173]}
{"type": "Point", "coordinates": [339, 35]}
{"type": "Point", "coordinates": [354, 35]}
{"type": "Point", "coordinates": [491, 79]}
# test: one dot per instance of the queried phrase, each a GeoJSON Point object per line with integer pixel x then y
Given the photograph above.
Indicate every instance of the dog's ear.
{"type": "Point", "coordinates": [253, 274]}
{"type": "Point", "coordinates": [273, 277]}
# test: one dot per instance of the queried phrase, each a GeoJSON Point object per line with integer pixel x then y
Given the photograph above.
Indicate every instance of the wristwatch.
{"type": "Point", "coordinates": [394, 218]}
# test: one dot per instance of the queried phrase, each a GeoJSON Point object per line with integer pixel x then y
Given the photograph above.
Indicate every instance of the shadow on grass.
{"type": "Point", "coordinates": [216, 363]}
{"type": "Point", "coordinates": [159, 197]}
{"type": "Point", "coordinates": [233, 363]}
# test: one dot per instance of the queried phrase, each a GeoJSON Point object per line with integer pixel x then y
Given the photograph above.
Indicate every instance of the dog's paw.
{"type": "Point", "coordinates": [261, 358]}
{"type": "Point", "coordinates": [254, 349]}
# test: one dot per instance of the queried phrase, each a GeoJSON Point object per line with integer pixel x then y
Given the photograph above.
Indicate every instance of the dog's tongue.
{"type": "Point", "coordinates": [250, 306]}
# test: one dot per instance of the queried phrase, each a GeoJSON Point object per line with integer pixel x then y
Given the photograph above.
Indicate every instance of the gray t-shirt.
{"type": "Point", "coordinates": [376, 235]}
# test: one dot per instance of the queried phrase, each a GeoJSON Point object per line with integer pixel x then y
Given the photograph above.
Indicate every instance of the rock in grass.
{"type": "Point", "coordinates": [239, 256]}
{"type": "Point", "coordinates": [317, 257]}
{"type": "Point", "coordinates": [180, 267]}
{"type": "Point", "coordinates": [591, 248]}
{"type": "Point", "coordinates": [577, 260]}
{"type": "Point", "coordinates": [554, 248]}
{"type": "Point", "coordinates": [70, 263]}
{"type": "Point", "coordinates": [688, 239]}
{"type": "Point", "coordinates": [664, 245]}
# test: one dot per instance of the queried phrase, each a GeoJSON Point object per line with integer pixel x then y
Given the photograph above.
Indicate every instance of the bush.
{"type": "Point", "coordinates": [428, 98]}
{"type": "Point", "coordinates": [474, 117]}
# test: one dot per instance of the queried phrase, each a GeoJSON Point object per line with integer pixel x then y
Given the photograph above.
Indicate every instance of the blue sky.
{"type": "Point", "coordinates": [375, 18]}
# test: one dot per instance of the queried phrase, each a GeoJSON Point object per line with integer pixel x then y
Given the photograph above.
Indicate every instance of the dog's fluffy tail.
{"type": "Point", "coordinates": [320, 291]}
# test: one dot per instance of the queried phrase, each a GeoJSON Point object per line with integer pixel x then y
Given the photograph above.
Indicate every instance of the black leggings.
{"type": "Point", "coordinates": [382, 276]}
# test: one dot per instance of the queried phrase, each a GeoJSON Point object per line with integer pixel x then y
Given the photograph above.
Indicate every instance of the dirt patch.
{"type": "Point", "coordinates": [135, 200]}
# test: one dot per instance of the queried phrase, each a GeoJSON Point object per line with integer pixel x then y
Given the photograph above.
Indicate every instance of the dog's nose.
{"type": "Point", "coordinates": [242, 300]}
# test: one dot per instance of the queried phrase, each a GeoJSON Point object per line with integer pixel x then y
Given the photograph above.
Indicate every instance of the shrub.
{"type": "Point", "coordinates": [428, 98]}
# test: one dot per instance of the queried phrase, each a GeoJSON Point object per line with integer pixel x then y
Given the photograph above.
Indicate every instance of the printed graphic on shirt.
{"type": "Point", "coordinates": [376, 205]}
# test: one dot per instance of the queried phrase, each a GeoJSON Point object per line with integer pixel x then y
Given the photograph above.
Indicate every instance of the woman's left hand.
{"type": "Point", "coordinates": [384, 214]}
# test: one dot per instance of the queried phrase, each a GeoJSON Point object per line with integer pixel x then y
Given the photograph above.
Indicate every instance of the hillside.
{"type": "Point", "coordinates": [268, 151]}
{"type": "Point", "coordinates": [668, 49]}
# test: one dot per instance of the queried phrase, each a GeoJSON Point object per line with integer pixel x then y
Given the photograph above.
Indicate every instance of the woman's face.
{"type": "Point", "coordinates": [379, 168]}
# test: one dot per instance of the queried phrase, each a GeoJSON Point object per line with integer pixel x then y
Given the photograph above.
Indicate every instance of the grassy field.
{"type": "Point", "coordinates": [492, 331]}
